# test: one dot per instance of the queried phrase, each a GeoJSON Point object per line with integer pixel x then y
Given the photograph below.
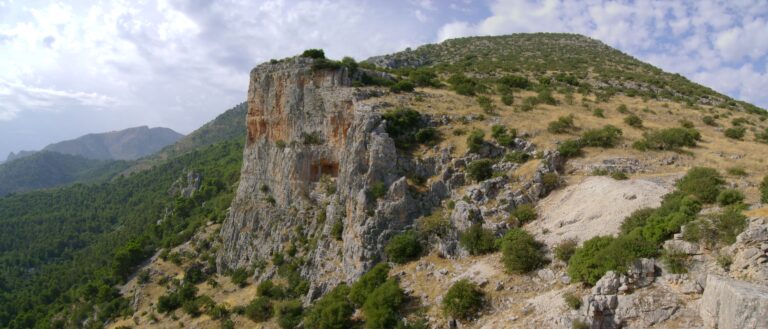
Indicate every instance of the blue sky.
{"type": "Point", "coordinates": [68, 68]}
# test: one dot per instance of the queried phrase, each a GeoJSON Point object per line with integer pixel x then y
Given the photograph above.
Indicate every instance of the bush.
{"type": "Point", "coordinates": [634, 121]}
{"type": "Point", "coordinates": [739, 121]}
{"type": "Point", "coordinates": [565, 249]}
{"type": "Point", "coordinates": [737, 171]}
{"type": "Point", "coordinates": [570, 148]}
{"type": "Point", "coordinates": [677, 263]}
{"type": "Point", "coordinates": [463, 300]}
{"type": "Point", "coordinates": [686, 124]}
{"type": "Point", "coordinates": [475, 140]}
{"type": "Point", "coordinates": [735, 132]}
{"type": "Point", "coordinates": [545, 97]}
{"type": "Point", "coordinates": [668, 139]}
{"type": "Point", "coordinates": [524, 213]}
{"type": "Point", "coordinates": [521, 253]}
{"type": "Point", "coordinates": [730, 196]}
{"type": "Point", "coordinates": [332, 311]}
{"type": "Point", "coordinates": [480, 170]}
{"type": "Point", "coordinates": [289, 313]}
{"type": "Point", "coordinates": [550, 181]}
{"type": "Point", "coordinates": [607, 136]}
{"type": "Point", "coordinates": [708, 120]}
{"type": "Point", "coordinates": [402, 86]}
{"type": "Point", "coordinates": [572, 301]}
{"type": "Point", "coordinates": [424, 77]}
{"type": "Point", "coordinates": [764, 190]}
{"type": "Point", "coordinates": [377, 190]}
{"type": "Point", "coordinates": [507, 99]}
{"type": "Point", "coordinates": [367, 283]}
{"type": "Point", "coordinates": [270, 290]}
{"type": "Point", "coordinates": [561, 125]}
{"type": "Point", "coordinates": [381, 307]}
{"type": "Point", "coordinates": [598, 112]}
{"type": "Point", "coordinates": [478, 240]}
{"type": "Point", "coordinates": [619, 175]}
{"type": "Point", "coordinates": [403, 247]}
{"type": "Point", "coordinates": [729, 224]}
{"type": "Point", "coordinates": [337, 230]}
{"type": "Point", "coordinates": [313, 53]}
{"type": "Point", "coordinates": [517, 157]}
{"type": "Point", "coordinates": [402, 125]}
{"type": "Point", "coordinates": [503, 136]}
{"type": "Point", "coordinates": [486, 104]}
{"type": "Point", "coordinates": [259, 309]}
{"type": "Point", "coordinates": [622, 109]}
{"type": "Point", "coordinates": [463, 85]}
{"type": "Point", "coordinates": [703, 183]}
{"type": "Point", "coordinates": [312, 138]}
{"type": "Point", "coordinates": [604, 253]}
{"type": "Point", "coordinates": [239, 276]}
{"type": "Point", "coordinates": [515, 81]}
{"type": "Point", "coordinates": [762, 136]}
{"type": "Point", "coordinates": [638, 218]}
{"type": "Point", "coordinates": [427, 135]}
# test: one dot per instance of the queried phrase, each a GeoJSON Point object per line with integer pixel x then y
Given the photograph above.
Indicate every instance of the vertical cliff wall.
{"type": "Point", "coordinates": [308, 130]}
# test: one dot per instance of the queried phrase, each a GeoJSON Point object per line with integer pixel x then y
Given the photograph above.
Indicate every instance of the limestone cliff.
{"type": "Point", "coordinates": [309, 132]}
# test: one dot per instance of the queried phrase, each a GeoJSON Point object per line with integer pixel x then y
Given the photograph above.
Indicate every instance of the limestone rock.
{"type": "Point", "coordinates": [682, 247]}
{"type": "Point", "coordinates": [728, 303]}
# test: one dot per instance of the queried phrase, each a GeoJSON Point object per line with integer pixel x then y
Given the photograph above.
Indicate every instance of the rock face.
{"type": "Point", "coordinates": [312, 154]}
{"type": "Point", "coordinates": [729, 303]}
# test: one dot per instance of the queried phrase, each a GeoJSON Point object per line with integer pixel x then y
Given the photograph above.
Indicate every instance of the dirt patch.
{"type": "Point", "coordinates": [595, 206]}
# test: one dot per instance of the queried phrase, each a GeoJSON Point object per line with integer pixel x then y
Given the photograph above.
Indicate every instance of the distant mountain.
{"type": "Point", "coordinates": [227, 126]}
{"type": "Point", "coordinates": [13, 156]}
{"type": "Point", "coordinates": [47, 169]}
{"type": "Point", "coordinates": [128, 144]}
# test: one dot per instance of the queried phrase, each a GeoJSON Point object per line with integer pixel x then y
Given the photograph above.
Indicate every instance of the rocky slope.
{"type": "Point", "coordinates": [326, 184]}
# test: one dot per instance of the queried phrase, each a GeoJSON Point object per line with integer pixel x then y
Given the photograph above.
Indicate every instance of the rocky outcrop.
{"type": "Point", "coordinates": [734, 304]}
{"type": "Point", "coordinates": [750, 252]}
{"type": "Point", "coordinates": [306, 129]}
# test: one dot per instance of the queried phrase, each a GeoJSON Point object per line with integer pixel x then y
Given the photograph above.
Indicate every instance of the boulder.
{"type": "Point", "coordinates": [729, 303]}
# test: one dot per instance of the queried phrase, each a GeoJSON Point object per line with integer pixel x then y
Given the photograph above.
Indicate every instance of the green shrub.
{"type": "Point", "coordinates": [545, 97]}
{"type": "Point", "coordinates": [475, 140]}
{"type": "Point", "coordinates": [565, 249]}
{"type": "Point", "coordinates": [529, 103]}
{"type": "Point", "coordinates": [382, 306]}
{"type": "Point", "coordinates": [622, 109]}
{"type": "Point", "coordinates": [703, 183]}
{"type": "Point", "coordinates": [737, 171]}
{"type": "Point", "coordinates": [367, 283]}
{"type": "Point", "coordinates": [480, 170]}
{"type": "Point", "coordinates": [730, 196]}
{"type": "Point", "coordinates": [572, 301]}
{"type": "Point", "coordinates": [619, 175]}
{"type": "Point", "coordinates": [517, 157]}
{"type": "Point", "coordinates": [486, 104]}
{"type": "Point", "coordinates": [289, 313]}
{"type": "Point", "coordinates": [402, 86]}
{"type": "Point", "coordinates": [638, 218]}
{"type": "Point", "coordinates": [524, 213]}
{"type": "Point", "coordinates": [762, 136]}
{"type": "Point", "coordinates": [239, 276]}
{"type": "Point", "coordinates": [503, 136]}
{"type": "Point", "coordinates": [377, 190]}
{"type": "Point", "coordinates": [709, 121]}
{"type": "Point", "coordinates": [598, 112]}
{"type": "Point", "coordinates": [604, 253]}
{"type": "Point", "coordinates": [677, 263]}
{"type": "Point", "coordinates": [570, 148]}
{"type": "Point", "coordinates": [435, 224]}
{"type": "Point", "coordinates": [729, 224]}
{"type": "Point", "coordinates": [550, 181]}
{"type": "Point", "coordinates": [332, 311]}
{"type": "Point", "coordinates": [478, 240]}
{"type": "Point", "coordinates": [686, 124]}
{"type": "Point", "coordinates": [463, 85]}
{"type": "Point", "coordinates": [634, 121]}
{"type": "Point", "coordinates": [507, 99]}
{"type": "Point", "coordinates": [259, 309]}
{"type": "Point", "coordinates": [403, 247]}
{"type": "Point", "coordinates": [270, 290]}
{"type": "Point", "coordinates": [739, 121]}
{"type": "Point", "coordinates": [312, 138]}
{"type": "Point", "coordinates": [313, 53]}
{"type": "Point", "coordinates": [521, 253]}
{"type": "Point", "coordinates": [607, 136]}
{"type": "Point", "coordinates": [337, 230]}
{"type": "Point", "coordinates": [463, 300]}
{"type": "Point", "coordinates": [424, 77]}
{"type": "Point", "coordinates": [515, 81]}
{"type": "Point", "coordinates": [402, 125]}
{"type": "Point", "coordinates": [561, 125]}
{"type": "Point", "coordinates": [735, 132]}
{"type": "Point", "coordinates": [764, 190]}
{"type": "Point", "coordinates": [428, 135]}
{"type": "Point", "coordinates": [668, 139]}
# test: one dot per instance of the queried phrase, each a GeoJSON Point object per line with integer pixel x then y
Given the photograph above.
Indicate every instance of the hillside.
{"type": "Point", "coordinates": [530, 180]}
{"type": "Point", "coordinates": [127, 144]}
{"type": "Point", "coordinates": [47, 169]}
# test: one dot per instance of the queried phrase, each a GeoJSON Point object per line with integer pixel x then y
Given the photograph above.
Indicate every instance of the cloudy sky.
{"type": "Point", "coordinates": [73, 67]}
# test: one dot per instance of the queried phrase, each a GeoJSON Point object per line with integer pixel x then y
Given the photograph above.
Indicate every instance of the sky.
{"type": "Point", "coordinates": [68, 68]}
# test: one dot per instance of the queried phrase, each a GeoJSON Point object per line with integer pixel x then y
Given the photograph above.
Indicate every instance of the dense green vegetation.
{"type": "Point", "coordinates": [521, 253]}
{"type": "Point", "coordinates": [67, 248]}
{"type": "Point", "coordinates": [478, 240]}
{"type": "Point", "coordinates": [645, 230]}
{"type": "Point", "coordinates": [407, 128]}
{"type": "Point", "coordinates": [48, 169]}
{"type": "Point", "coordinates": [463, 300]}
{"type": "Point", "coordinates": [480, 170]}
{"type": "Point", "coordinates": [668, 139]}
{"type": "Point", "coordinates": [403, 247]}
